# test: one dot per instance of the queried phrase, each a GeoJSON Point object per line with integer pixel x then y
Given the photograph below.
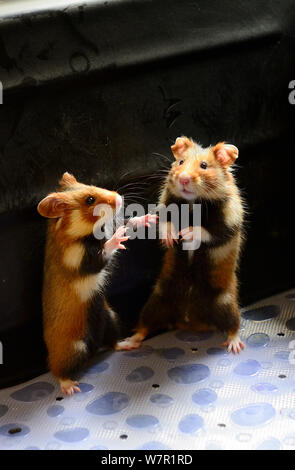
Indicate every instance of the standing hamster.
{"type": "Point", "coordinates": [76, 316]}
{"type": "Point", "coordinates": [198, 289]}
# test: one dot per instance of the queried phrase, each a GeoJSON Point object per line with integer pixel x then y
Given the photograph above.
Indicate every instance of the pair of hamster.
{"type": "Point", "coordinates": [77, 319]}
{"type": "Point", "coordinates": [197, 289]}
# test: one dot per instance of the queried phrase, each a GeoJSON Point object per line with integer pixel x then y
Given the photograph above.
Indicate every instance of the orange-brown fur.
{"type": "Point", "coordinates": [168, 264]}
{"type": "Point", "coordinates": [202, 293]}
{"type": "Point", "coordinates": [65, 313]}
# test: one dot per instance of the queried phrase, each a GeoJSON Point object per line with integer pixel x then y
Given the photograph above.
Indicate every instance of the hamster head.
{"type": "Point", "coordinates": [77, 207]}
{"type": "Point", "coordinates": [201, 173]}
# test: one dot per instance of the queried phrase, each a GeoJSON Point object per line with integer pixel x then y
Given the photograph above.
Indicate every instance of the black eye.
{"type": "Point", "coordinates": [90, 200]}
{"type": "Point", "coordinates": [203, 165]}
{"type": "Point", "coordinates": [181, 162]}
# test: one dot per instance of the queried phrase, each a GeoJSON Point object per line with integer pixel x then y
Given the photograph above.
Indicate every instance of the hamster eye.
{"type": "Point", "coordinates": [181, 162]}
{"type": "Point", "coordinates": [203, 165]}
{"type": "Point", "coordinates": [90, 200]}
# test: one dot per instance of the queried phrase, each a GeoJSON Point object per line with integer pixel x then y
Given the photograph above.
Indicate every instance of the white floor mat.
{"type": "Point", "coordinates": [179, 391]}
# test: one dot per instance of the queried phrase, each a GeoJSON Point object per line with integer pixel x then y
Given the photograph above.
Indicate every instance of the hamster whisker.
{"type": "Point", "coordinates": [158, 175]}
{"type": "Point", "coordinates": [134, 197]}
{"type": "Point", "coordinates": [156, 154]}
{"type": "Point", "coordinates": [132, 186]}
{"type": "Point", "coordinates": [127, 173]}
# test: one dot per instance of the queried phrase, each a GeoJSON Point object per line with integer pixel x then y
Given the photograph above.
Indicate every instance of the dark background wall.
{"type": "Point", "coordinates": [96, 90]}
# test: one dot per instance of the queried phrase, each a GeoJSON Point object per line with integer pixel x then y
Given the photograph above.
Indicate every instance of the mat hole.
{"type": "Point", "coordinates": [15, 430]}
{"type": "Point", "coordinates": [123, 436]}
{"type": "Point", "coordinates": [155, 385]}
{"type": "Point", "coordinates": [281, 334]}
{"type": "Point", "coordinates": [222, 425]}
{"type": "Point", "coordinates": [59, 398]}
{"type": "Point", "coordinates": [282, 376]}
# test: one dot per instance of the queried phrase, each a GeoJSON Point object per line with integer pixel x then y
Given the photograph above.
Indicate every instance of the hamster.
{"type": "Point", "coordinates": [76, 316]}
{"type": "Point", "coordinates": [198, 289]}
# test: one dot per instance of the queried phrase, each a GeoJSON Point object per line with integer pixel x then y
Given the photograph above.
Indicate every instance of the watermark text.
{"type": "Point", "coordinates": [174, 222]}
{"type": "Point", "coordinates": [291, 96]}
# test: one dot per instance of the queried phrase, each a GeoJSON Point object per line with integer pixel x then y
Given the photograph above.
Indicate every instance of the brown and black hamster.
{"type": "Point", "coordinates": [198, 289]}
{"type": "Point", "coordinates": [76, 316]}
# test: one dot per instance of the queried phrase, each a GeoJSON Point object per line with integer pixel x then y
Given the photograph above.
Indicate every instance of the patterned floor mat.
{"type": "Point", "coordinates": [181, 390]}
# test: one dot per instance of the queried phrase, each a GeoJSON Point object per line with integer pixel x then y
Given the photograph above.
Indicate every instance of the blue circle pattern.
{"type": "Point", "coordinates": [254, 414]}
{"type": "Point", "coordinates": [109, 404]}
{"type": "Point", "coordinates": [162, 400]}
{"type": "Point", "coordinates": [142, 421]}
{"type": "Point", "coordinates": [191, 423]}
{"type": "Point", "coordinates": [72, 435]}
{"type": "Point", "coordinates": [97, 368]}
{"type": "Point", "coordinates": [34, 392]}
{"type": "Point", "coordinates": [3, 410]}
{"type": "Point", "coordinates": [23, 430]}
{"type": "Point", "coordinates": [204, 397]}
{"type": "Point", "coordinates": [258, 340]}
{"type": "Point", "coordinates": [193, 374]}
{"type": "Point", "coordinates": [171, 354]}
{"type": "Point", "coordinates": [191, 337]}
{"type": "Point", "coordinates": [140, 374]}
{"type": "Point", "coordinates": [55, 410]}
{"type": "Point", "coordinates": [248, 368]}
{"type": "Point", "coordinates": [189, 373]}
{"type": "Point", "coordinates": [264, 388]}
{"type": "Point", "coordinates": [153, 445]}
{"type": "Point", "coordinates": [267, 312]}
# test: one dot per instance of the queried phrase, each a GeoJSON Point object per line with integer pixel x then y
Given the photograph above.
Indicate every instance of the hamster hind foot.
{"type": "Point", "coordinates": [234, 343]}
{"type": "Point", "coordinates": [68, 386]}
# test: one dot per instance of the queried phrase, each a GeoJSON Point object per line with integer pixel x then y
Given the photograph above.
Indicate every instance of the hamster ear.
{"type": "Point", "coordinates": [225, 154]}
{"type": "Point", "coordinates": [180, 146]}
{"type": "Point", "coordinates": [52, 206]}
{"type": "Point", "coordinates": [67, 180]}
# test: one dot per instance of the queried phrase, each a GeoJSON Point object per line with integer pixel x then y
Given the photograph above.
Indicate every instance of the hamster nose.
{"type": "Point", "coordinates": [184, 179]}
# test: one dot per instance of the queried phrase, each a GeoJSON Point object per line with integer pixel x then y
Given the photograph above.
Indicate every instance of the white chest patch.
{"type": "Point", "coordinates": [233, 212]}
{"type": "Point", "coordinates": [225, 298]}
{"type": "Point", "coordinates": [80, 346]}
{"type": "Point", "coordinates": [73, 255]}
{"type": "Point", "coordinates": [205, 235]}
{"type": "Point", "coordinates": [222, 252]}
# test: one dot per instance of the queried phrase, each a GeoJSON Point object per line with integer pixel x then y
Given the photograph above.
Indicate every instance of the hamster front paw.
{"type": "Point", "coordinates": [168, 234]}
{"type": "Point", "coordinates": [144, 221]}
{"type": "Point", "coordinates": [195, 233]}
{"type": "Point", "coordinates": [187, 234]}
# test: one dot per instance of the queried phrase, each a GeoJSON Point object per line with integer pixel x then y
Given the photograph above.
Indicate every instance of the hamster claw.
{"type": "Point", "coordinates": [168, 235]}
{"type": "Point", "coordinates": [116, 242]}
{"type": "Point", "coordinates": [187, 234]}
{"type": "Point", "coordinates": [170, 240]}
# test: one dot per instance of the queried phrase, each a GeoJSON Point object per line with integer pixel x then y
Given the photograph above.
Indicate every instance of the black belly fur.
{"type": "Point", "coordinates": [102, 329]}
